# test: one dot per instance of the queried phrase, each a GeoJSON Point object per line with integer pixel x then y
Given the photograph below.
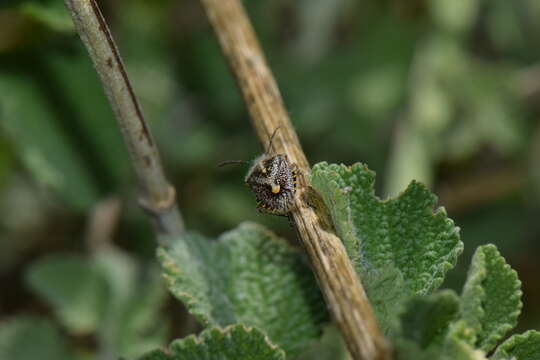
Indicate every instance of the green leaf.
{"type": "Point", "coordinates": [427, 319]}
{"type": "Point", "coordinates": [491, 299]}
{"type": "Point", "coordinates": [232, 343]}
{"type": "Point", "coordinates": [51, 13]}
{"type": "Point", "coordinates": [30, 121]}
{"type": "Point", "coordinates": [30, 338]}
{"type": "Point", "coordinates": [456, 16]}
{"type": "Point", "coordinates": [73, 286]}
{"type": "Point", "coordinates": [92, 114]}
{"type": "Point", "coordinates": [410, 158]}
{"type": "Point", "coordinates": [133, 323]}
{"type": "Point", "coordinates": [524, 346]}
{"type": "Point", "coordinates": [425, 325]}
{"type": "Point", "coordinates": [457, 347]}
{"type": "Point", "coordinates": [109, 294]}
{"type": "Point", "coordinates": [248, 276]}
{"type": "Point", "coordinates": [330, 347]}
{"type": "Point", "coordinates": [399, 246]}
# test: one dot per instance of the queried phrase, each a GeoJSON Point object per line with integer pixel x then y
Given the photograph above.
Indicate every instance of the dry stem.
{"type": "Point", "coordinates": [339, 283]}
{"type": "Point", "coordinates": [157, 195]}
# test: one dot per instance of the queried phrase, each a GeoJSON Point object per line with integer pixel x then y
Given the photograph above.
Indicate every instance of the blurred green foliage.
{"type": "Point", "coordinates": [444, 92]}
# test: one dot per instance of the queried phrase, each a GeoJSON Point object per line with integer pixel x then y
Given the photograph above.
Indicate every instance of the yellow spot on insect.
{"type": "Point", "coordinates": [276, 189]}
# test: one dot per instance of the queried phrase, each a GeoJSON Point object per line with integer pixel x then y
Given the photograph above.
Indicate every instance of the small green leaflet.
{"type": "Point", "coordinates": [491, 299]}
{"type": "Point", "coordinates": [520, 347]}
{"type": "Point", "coordinates": [468, 327]}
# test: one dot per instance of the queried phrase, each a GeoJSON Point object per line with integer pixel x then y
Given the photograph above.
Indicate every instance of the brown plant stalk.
{"type": "Point", "coordinates": [337, 279]}
{"type": "Point", "coordinates": [157, 196]}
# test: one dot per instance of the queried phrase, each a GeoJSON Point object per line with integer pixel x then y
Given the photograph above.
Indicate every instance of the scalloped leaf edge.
{"type": "Point", "coordinates": [178, 345]}
{"type": "Point", "coordinates": [504, 351]}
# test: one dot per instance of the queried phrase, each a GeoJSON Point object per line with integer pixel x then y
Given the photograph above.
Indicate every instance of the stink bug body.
{"type": "Point", "coordinates": [273, 180]}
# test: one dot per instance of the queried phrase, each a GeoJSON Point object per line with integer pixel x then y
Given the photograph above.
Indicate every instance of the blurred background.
{"type": "Point", "coordinates": [445, 92]}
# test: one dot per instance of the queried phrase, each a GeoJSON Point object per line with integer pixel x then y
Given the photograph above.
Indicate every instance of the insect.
{"type": "Point", "coordinates": [273, 181]}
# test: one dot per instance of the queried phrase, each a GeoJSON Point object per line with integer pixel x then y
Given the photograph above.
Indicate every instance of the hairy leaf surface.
{"type": "Point", "coordinates": [457, 346]}
{"type": "Point", "coordinates": [491, 299]}
{"type": "Point", "coordinates": [232, 343]}
{"type": "Point", "coordinates": [401, 247]}
{"type": "Point", "coordinates": [427, 318]}
{"type": "Point", "coordinates": [247, 276]}
{"type": "Point", "coordinates": [524, 346]}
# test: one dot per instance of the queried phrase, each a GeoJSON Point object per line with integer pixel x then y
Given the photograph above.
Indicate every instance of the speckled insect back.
{"type": "Point", "coordinates": [273, 180]}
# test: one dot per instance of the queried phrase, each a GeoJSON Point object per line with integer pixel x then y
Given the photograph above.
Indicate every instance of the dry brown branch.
{"type": "Point", "coordinates": [157, 196]}
{"type": "Point", "coordinates": [339, 283]}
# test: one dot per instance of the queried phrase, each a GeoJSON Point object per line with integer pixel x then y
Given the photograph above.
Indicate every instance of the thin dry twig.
{"type": "Point", "coordinates": [338, 281]}
{"type": "Point", "coordinates": [157, 196]}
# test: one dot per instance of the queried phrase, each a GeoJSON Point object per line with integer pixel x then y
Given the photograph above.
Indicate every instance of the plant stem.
{"type": "Point", "coordinates": [339, 283]}
{"type": "Point", "coordinates": [157, 196]}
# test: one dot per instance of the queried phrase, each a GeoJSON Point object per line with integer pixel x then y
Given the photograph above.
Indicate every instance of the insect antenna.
{"type": "Point", "coordinates": [271, 139]}
{"type": "Point", "coordinates": [230, 162]}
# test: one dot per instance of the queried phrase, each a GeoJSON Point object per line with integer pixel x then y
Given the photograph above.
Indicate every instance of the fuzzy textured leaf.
{"type": "Point", "coordinates": [331, 346]}
{"type": "Point", "coordinates": [232, 343]}
{"type": "Point", "coordinates": [524, 346]}
{"type": "Point", "coordinates": [399, 246]}
{"type": "Point", "coordinates": [491, 299]}
{"type": "Point", "coordinates": [247, 276]}
{"type": "Point", "coordinates": [425, 326]}
{"type": "Point", "coordinates": [427, 318]}
{"type": "Point", "coordinates": [457, 346]}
